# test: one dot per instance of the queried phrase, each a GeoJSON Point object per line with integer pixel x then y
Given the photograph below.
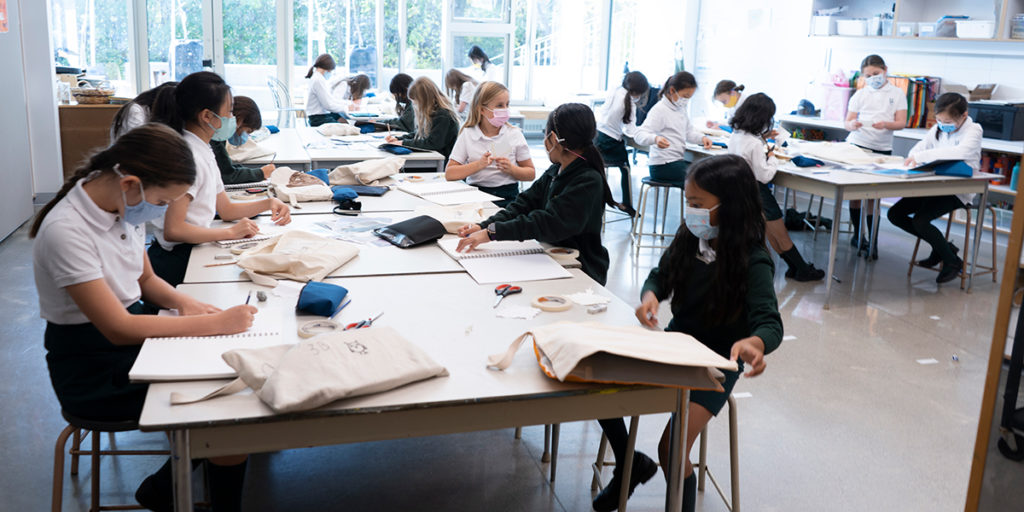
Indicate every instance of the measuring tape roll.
{"type": "Point", "coordinates": [563, 254]}
{"type": "Point", "coordinates": [315, 327]}
{"type": "Point", "coordinates": [242, 247]}
{"type": "Point", "coordinates": [552, 303]}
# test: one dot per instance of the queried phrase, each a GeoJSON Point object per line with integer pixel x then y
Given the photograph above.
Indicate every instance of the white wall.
{"type": "Point", "coordinates": [43, 125]}
{"type": "Point", "coordinates": [15, 173]}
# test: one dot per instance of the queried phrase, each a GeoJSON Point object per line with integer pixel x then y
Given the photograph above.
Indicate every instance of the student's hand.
{"type": "Point", "coordinates": [485, 160]}
{"type": "Point", "coordinates": [236, 319]}
{"type": "Point", "coordinates": [661, 142]}
{"type": "Point", "coordinates": [712, 124]}
{"type": "Point", "coordinates": [647, 313]}
{"type": "Point", "coordinates": [391, 140]}
{"type": "Point", "coordinates": [773, 134]}
{"type": "Point", "coordinates": [504, 164]}
{"type": "Point", "coordinates": [751, 351]}
{"type": "Point", "coordinates": [855, 125]}
{"type": "Point", "coordinates": [470, 242]}
{"type": "Point", "coordinates": [706, 142]}
{"type": "Point", "coordinates": [279, 212]}
{"type": "Point", "coordinates": [469, 229]}
{"type": "Point", "coordinates": [190, 306]}
{"type": "Point", "coordinates": [880, 125]}
{"type": "Point", "coordinates": [244, 228]}
{"type": "Point", "coordinates": [268, 170]}
{"type": "Point", "coordinates": [909, 162]}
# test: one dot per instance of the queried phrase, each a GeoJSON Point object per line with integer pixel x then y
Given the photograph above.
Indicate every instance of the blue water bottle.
{"type": "Point", "coordinates": [1013, 176]}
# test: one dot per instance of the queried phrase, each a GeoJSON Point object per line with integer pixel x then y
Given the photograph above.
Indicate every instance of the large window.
{"type": "Point", "coordinates": [345, 29]}
{"type": "Point", "coordinates": [250, 47]}
{"type": "Point", "coordinates": [175, 34]}
{"type": "Point", "coordinates": [566, 51]}
{"type": "Point", "coordinates": [93, 35]}
{"type": "Point", "coordinates": [644, 38]}
{"type": "Point", "coordinates": [423, 38]}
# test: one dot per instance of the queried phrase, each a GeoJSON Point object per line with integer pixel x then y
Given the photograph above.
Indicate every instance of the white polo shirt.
{"type": "Point", "coordinates": [871, 106]}
{"type": "Point", "coordinates": [472, 144]}
{"type": "Point", "coordinates": [671, 121]}
{"type": "Point", "coordinates": [752, 148]}
{"type": "Point", "coordinates": [610, 116]}
{"type": "Point", "coordinates": [78, 242]}
{"type": "Point", "coordinates": [963, 144]}
{"type": "Point", "coordinates": [466, 93]}
{"type": "Point", "coordinates": [204, 191]}
{"type": "Point", "coordinates": [320, 99]}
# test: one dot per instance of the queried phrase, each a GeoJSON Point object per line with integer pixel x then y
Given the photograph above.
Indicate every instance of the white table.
{"type": "Point", "coordinates": [450, 317]}
{"type": "Point", "coordinates": [288, 148]}
{"type": "Point", "coordinates": [333, 156]}
{"type": "Point", "coordinates": [393, 201]}
{"type": "Point", "coordinates": [371, 261]}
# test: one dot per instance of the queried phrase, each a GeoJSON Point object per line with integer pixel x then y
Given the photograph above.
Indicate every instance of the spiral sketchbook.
{"type": "Point", "coordinates": [199, 357]}
{"type": "Point", "coordinates": [447, 193]}
{"type": "Point", "coordinates": [254, 238]}
{"type": "Point", "coordinates": [505, 261]}
{"type": "Point", "coordinates": [243, 186]}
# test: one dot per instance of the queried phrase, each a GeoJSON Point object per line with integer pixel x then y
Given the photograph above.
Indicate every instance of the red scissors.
{"type": "Point", "coordinates": [362, 324]}
{"type": "Point", "coordinates": [503, 291]}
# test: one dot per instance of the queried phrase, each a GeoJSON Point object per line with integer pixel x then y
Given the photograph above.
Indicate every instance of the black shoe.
{"type": "Point", "coordinates": [855, 241]}
{"type": "Point", "coordinates": [643, 469]}
{"type": "Point", "coordinates": [155, 493]}
{"type": "Point", "coordinates": [934, 259]}
{"type": "Point", "coordinates": [625, 208]}
{"type": "Point", "coordinates": [808, 273]}
{"type": "Point", "coordinates": [950, 272]}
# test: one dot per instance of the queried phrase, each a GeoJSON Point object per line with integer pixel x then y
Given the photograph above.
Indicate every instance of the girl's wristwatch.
{"type": "Point", "coordinates": [491, 231]}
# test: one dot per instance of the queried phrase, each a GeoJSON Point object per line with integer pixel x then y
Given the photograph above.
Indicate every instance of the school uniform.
{"type": "Point", "coordinates": [170, 259]}
{"type": "Point", "coordinates": [610, 131]}
{"type": "Point", "coordinates": [444, 129]}
{"type": "Point", "coordinates": [230, 172]}
{"type": "Point", "coordinates": [79, 242]}
{"type": "Point", "coordinates": [466, 93]}
{"type": "Point", "coordinates": [406, 120]}
{"type": "Point", "coordinates": [471, 145]}
{"type": "Point", "coordinates": [322, 106]}
{"type": "Point", "coordinates": [136, 116]}
{"type": "Point", "coordinates": [873, 105]}
{"type": "Point", "coordinates": [562, 208]}
{"type": "Point", "coordinates": [671, 121]}
{"type": "Point", "coordinates": [759, 315]}
{"type": "Point", "coordinates": [915, 214]}
{"type": "Point", "coordinates": [752, 149]}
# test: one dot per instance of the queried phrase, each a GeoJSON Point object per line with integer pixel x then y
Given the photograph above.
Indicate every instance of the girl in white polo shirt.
{"type": "Point", "coordinates": [617, 119]}
{"type": "Point", "coordinates": [200, 109]}
{"type": "Point", "coordinates": [875, 112]}
{"type": "Point", "coordinates": [667, 129]}
{"type": "Point", "coordinates": [489, 153]}
{"type": "Point", "coordinates": [91, 271]}
{"type": "Point", "coordinates": [955, 136]}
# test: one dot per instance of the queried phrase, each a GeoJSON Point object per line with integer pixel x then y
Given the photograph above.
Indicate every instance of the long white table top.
{"type": "Point", "coordinates": [373, 260]}
{"type": "Point", "coordinates": [288, 150]}
{"type": "Point", "coordinates": [393, 201]}
{"type": "Point", "coordinates": [447, 315]}
{"type": "Point", "coordinates": [327, 153]}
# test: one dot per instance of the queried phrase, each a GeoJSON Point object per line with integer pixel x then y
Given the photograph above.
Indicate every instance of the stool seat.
{"type": "Point", "coordinates": [99, 425]}
{"type": "Point", "coordinates": [652, 183]}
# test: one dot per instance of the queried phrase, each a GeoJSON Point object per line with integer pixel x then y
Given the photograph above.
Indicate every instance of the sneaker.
{"type": "Point", "coordinates": [806, 274]}
{"type": "Point", "coordinates": [155, 493]}
{"type": "Point", "coordinates": [934, 259]}
{"type": "Point", "coordinates": [950, 272]}
{"type": "Point", "coordinates": [643, 470]}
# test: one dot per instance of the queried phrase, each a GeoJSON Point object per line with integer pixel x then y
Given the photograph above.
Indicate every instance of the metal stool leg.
{"type": "Point", "coordinates": [702, 459]}
{"type": "Point", "coordinates": [599, 464]}
{"type": "Point", "coordinates": [57, 497]}
{"type": "Point", "coordinates": [967, 250]}
{"type": "Point", "coordinates": [995, 269]}
{"type": "Point", "coordinates": [94, 500]}
{"type": "Point", "coordinates": [664, 211]}
{"type": "Point", "coordinates": [554, 448]}
{"type": "Point", "coordinates": [734, 454]}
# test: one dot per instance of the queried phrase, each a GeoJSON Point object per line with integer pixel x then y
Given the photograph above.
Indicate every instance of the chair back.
{"type": "Point", "coordinates": [282, 98]}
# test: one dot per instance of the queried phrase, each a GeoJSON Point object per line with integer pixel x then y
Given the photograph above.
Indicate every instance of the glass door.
{"type": "Point", "coordinates": [486, 25]}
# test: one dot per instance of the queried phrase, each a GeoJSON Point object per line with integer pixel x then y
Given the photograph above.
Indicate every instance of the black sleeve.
{"type": "Point", "coordinates": [560, 217]}
{"type": "Point", "coordinates": [527, 201]}
{"type": "Point", "coordinates": [231, 172]}
{"type": "Point", "coordinates": [443, 130]}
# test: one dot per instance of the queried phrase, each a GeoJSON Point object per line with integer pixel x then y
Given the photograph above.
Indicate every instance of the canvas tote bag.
{"type": "Point", "coordinates": [293, 186]}
{"type": "Point", "coordinates": [368, 172]}
{"type": "Point", "coordinates": [596, 352]}
{"type": "Point", "coordinates": [325, 368]}
{"type": "Point", "coordinates": [296, 255]}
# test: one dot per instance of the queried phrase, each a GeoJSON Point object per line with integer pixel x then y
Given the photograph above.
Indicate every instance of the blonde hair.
{"type": "Point", "coordinates": [484, 95]}
{"type": "Point", "coordinates": [453, 83]}
{"type": "Point", "coordinates": [427, 99]}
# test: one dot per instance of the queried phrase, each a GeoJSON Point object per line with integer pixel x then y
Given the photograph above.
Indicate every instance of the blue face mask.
{"type": "Point", "coordinates": [327, 75]}
{"type": "Point", "coordinates": [143, 212]}
{"type": "Point", "coordinates": [238, 139]}
{"type": "Point", "coordinates": [698, 222]}
{"type": "Point", "coordinates": [946, 127]}
{"type": "Point", "coordinates": [228, 127]}
{"type": "Point", "coordinates": [876, 81]}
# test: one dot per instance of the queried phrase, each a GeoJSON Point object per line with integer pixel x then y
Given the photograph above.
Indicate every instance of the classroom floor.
{"type": "Point", "coordinates": [844, 419]}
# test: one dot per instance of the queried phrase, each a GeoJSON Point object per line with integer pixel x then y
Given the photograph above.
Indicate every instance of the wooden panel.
{"type": "Point", "coordinates": [83, 128]}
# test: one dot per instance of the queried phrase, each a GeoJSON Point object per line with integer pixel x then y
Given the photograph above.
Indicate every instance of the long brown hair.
{"type": "Point", "coordinates": [634, 83]}
{"type": "Point", "coordinates": [453, 83]}
{"type": "Point", "coordinates": [427, 99]}
{"type": "Point", "coordinates": [247, 113]}
{"type": "Point", "coordinates": [324, 61]}
{"type": "Point", "coordinates": [357, 85]}
{"type": "Point", "coordinates": [144, 99]}
{"type": "Point", "coordinates": [153, 152]}
{"type": "Point", "coordinates": [484, 95]}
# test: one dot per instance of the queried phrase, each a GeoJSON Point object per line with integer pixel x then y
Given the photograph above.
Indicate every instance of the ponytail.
{"type": "Point", "coordinates": [176, 106]}
{"type": "Point", "coordinates": [324, 61]}
{"type": "Point", "coordinates": [154, 153]}
{"type": "Point", "coordinates": [679, 81]}
{"type": "Point", "coordinates": [575, 125]}
{"type": "Point", "coordinates": [144, 99]}
{"type": "Point", "coordinates": [634, 83]}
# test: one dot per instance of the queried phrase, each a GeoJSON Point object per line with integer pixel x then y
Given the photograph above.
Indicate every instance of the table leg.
{"type": "Point", "coordinates": [674, 496]}
{"type": "Point", "coordinates": [627, 464]}
{"type": "Point", "coordinates": [837, 212]}
{"type": "Point", "coordinates": [181, 471]}
{"type": "Point", "coordinates": [978, 225]}
{"type": "Point", "coordinates": [877, 213]}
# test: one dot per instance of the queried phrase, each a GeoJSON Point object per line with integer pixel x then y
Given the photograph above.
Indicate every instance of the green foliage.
{"type": "Point", "coordinates": [250, 31]}
{"type": "Point", "coordinates": [424, 22]}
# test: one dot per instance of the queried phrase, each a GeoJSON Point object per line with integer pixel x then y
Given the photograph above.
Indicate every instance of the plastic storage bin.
{"type": "Point", "coordinates": [906, 29]}
{"type": "Point", "coordinates": [1017, 27]}
{"type": "Point", "coordinates": [975, 29]}
{"type": "Point", "coordinates": [823, 25]}
{"type": "Point", "coordinates": [852, 27]}
{"type": "Point", "coordinates": [926, 29]}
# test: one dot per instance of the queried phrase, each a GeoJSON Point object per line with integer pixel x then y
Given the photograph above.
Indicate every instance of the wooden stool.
{"type": "Point", "coordinates": [638, 233]}
{"type": "Point", "coordinates": [964, 274]}
{"type": "Point", "coordinates": [75, 427]}
{"type": "Point", "coordinates": [703, 472]}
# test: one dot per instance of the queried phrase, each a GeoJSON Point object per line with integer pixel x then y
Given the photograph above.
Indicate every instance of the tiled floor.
{"type": "Point", "coordinates": [844, 419]}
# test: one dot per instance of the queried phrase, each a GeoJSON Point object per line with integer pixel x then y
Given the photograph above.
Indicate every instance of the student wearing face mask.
{"type": "Point", "coordinates": [249, 120]}
{"type": "Point", "coordinates": [487, 131]}
{"type": "Point", "coordinates": [955, 136]}
{"type": "Point", "coordinates": [730, 96]}
{"type": "Point", "coordinates": [200, 109]}
{"type": "Point", "coordinates": [668, 129]}
{"type": "Point", "coordinates": [91, 272]}
{"type": "Point", "coordinates": [752, 125]}
{"type": "Point", "coordinates": [617, 118]}
{"type": "Point", "coordinates": [875, 112]}
{"type": "Point", "coordinates": [322, 105]}
{"type": "Point", "coordinates": [565, 206]}
{"type": "Point", "coordinates": [718, 276]}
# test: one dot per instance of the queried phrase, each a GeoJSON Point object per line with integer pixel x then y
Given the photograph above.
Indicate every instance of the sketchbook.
{"type": "Point", "coordinates": [243, 186]}
{"type": "Point", "coordinates": [447, 193]}
{"type": "Point", "coordinates": [506, 261]}
{"type": "Point", "coordinates": [254, 238]}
